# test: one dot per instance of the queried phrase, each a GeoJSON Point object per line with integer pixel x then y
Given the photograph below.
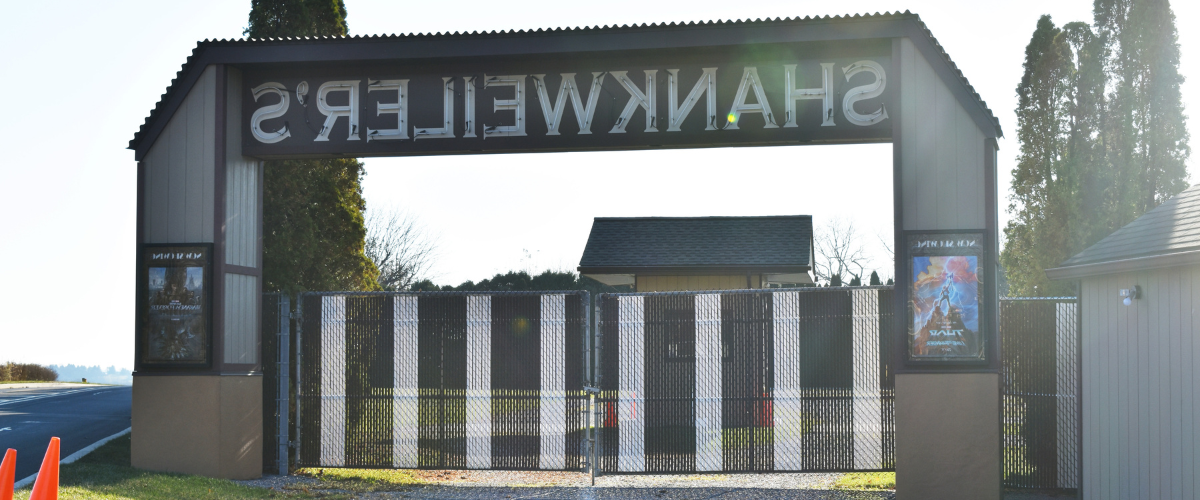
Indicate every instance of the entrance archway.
{"type": "Point", "coordinates": [880, 78]}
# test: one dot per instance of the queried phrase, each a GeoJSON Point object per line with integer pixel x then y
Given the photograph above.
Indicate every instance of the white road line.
{"type": "Point", "coordinates": [75, 456]}
{"type": "Point", "coordinates": [43, 396]}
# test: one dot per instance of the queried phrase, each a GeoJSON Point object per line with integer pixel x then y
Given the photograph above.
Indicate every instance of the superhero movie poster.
{"type": "Point", "coordinates": [945, 296]}
{"type": "Point", "coordinates": [177, 320]}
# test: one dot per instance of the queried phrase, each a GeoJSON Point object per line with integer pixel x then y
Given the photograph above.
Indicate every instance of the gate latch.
{"type": "Point", "coordinates": [591, 390]}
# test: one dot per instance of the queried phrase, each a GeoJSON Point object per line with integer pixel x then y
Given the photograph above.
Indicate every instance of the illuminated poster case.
{"type": "Point", "coordinates": [945, 321]}
{"type": "Point", "coordinates": [176, 306]}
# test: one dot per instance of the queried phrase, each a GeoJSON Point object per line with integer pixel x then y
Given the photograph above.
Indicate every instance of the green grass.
{"type": "Point", "coordinates": [363, 480]}
{"type": "Point", "coordinates": [867, 481]}
{"type": "Point", "coordinates": [105, 474]}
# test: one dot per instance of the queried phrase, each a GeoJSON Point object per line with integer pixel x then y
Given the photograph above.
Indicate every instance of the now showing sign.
{"type": "Point", "coordinates": [749, 95]}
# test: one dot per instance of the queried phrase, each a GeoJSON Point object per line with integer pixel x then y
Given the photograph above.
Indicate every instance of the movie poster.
{"type": "Point", "coordinates": [177, 319]}
{"type": "Point", "coordinates": [945, 296]}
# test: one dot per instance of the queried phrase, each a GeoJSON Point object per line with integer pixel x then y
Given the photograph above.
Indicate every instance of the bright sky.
{"type": "Point", "coordinates": [97, 68]}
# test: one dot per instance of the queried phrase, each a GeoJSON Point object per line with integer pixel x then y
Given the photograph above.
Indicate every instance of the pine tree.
{"type": "Point", "coordinates": [875, 279]}
{"type": "Point", "coordinates": [313, 229]}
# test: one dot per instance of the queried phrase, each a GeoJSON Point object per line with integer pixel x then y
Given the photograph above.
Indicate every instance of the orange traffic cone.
{"type": "Point", "coordinates": [8, 474]}
{"type": "Point", "coordinates": [45, 487]}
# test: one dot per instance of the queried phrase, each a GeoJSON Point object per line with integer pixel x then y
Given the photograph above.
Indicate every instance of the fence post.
{"type": "Point", "coordinates": [281, 395]}
{"type": "Point", "coordinates": [298, 317]}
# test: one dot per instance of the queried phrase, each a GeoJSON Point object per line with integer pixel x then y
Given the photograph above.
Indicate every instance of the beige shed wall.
{"type": "Point", "coordinates": [942, 169]}
{"type": "Point", "coordinates": [180, 171]}
{"type": "Point", "coordinates": [1141, 384]}
{"type": "Point", "coordinates": [683, 283]}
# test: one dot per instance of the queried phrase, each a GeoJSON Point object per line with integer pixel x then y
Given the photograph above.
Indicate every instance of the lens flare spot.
{"type": "Point", "coordinates": [732, 118]}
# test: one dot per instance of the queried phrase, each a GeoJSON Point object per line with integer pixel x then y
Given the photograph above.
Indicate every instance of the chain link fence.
{"type": "Point", "coordinates": [1040, 339]}
{"type": "Point", "coordinates": [442, 380]}
{"type": "Point", "coordinates": [732, 381]}
{"type": "Point", "coordinates": [746, 381]}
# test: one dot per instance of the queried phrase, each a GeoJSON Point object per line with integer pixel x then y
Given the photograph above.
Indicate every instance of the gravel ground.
{"type": "Point", "coordinates": [572, 485]}
{"type": "Point", "coordinates": [474, 485]}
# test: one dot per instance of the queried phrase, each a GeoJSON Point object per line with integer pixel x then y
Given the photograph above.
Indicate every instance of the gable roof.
{"type": "Point", "coordinates": [1165, 236]}
{"type": "Point", "coordinates": [374, 48]}
{"type": "Point", "coordinates": [726, 244]}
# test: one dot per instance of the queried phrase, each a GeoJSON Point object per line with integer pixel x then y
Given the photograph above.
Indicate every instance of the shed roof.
{"type": "Point", "coordinates": [766, 244]}
{"type": "Point", "coordinates": [369, 48]}
{"type": "Point", "coordinates": [1165, 235]}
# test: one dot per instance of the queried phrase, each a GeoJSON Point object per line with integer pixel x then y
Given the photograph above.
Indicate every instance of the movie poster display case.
{"type": "Point", "coordinates": [175, 307]}
{"type": "Point", "coordinates": [947, 319]}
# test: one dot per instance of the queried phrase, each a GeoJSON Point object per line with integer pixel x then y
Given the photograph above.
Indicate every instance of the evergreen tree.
{"type": "Point", "coordinates": [1102, 136]}
{"type": "Point", "coordinates": [875, 279]}
{"type": "Point", "coordinates": [1147, 139]}
{"type": "Point", "coordinates": [313, 230]}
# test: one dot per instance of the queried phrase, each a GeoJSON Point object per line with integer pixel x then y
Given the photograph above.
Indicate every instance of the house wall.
{"type": "Point", "coordinates": [684, 283]}
{"type": "Point", "coordinates": [1141, 384]}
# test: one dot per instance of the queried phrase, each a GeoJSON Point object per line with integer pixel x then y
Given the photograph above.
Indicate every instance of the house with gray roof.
{"type": "Point", "coordinates": [1139, 291]}
{"type": "Point", "coordinates": [655, 254]}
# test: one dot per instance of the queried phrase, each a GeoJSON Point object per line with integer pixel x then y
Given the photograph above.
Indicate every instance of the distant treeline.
{"type": "Point", "coordinates": [20, 372]}
{"type": "Point", "coordinates": [94, 374]}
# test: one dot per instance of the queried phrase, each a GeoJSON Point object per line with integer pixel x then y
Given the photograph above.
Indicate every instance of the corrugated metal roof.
{"type": "Point", "coordinates": [191, 67]}
{"type": "Point", "coordinates": [1172, 227]}
{"type": "Point", "coordinates": [653, 242]}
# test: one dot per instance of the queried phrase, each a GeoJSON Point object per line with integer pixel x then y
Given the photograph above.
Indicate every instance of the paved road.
{"type": "Point", "coordinates": [78, 416]}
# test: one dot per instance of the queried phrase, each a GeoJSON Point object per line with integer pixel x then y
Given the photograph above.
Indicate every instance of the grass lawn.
{"type": "Point", "coordinates": [363, 480]}
{"type": "Point", "coordinates": [105, 474]}
{"type": "Point", "coordinates": [867, 481]}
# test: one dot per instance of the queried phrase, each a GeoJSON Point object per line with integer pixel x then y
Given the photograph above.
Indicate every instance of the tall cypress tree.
{"type": "Point", "coordinates": [1046, 182]}
{"type": "Point", "coordinates": [313, 229]}
{"type": "Point", "coordinates": [1147, 138]}
{"type": "Point", "coordinates": [1102, 134]}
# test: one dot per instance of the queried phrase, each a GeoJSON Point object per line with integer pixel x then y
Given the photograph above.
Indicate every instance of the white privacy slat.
{"type": "Point", "coordinates": [1065, 376]}
{"type": "Point", "coordinates": [405, 397]}
{"type": "Point", "coordinates": [479, 382]}
{"type": "Point", "coordinates": [631, 387]}
{"type": "Point", "coordinates": [333, 381]}
{"type": "Point", "coordinates": [787, 411]}
{"type": "Point", "coordinates": [867, 407]}
{"type": "Point", "coordinates": [552, 424]}
{"type": "Point", "coordinates": [708, 382]}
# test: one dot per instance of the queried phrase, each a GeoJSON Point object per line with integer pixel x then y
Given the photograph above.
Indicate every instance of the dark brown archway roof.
{"type": "Point", "coordinates": [562, 40]}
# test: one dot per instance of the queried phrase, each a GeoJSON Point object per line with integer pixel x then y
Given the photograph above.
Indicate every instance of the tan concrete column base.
{"type": "Point", "coordinates": [948, 436]}
{"type": "Point", "coordinates": [209, 425]}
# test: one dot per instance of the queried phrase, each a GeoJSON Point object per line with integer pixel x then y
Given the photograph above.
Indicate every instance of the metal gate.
{"type": "Point", "coordinates": [1040, 387]}
{"type": "Point", "coordinates": [787, 380]}
{"type": "Point", "coordinates": [443, 380]}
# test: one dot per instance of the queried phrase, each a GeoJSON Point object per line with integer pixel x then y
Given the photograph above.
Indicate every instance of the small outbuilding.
{"type": "Point", "coordinates": [1140, 354]}
{"type": "Point", "coordinates": [658, 254]}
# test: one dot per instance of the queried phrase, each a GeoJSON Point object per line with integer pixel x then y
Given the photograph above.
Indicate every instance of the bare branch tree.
{"type": "Point", "coordinates": [400, 247]}
{"type": "Point", "coordinates": [839, 252]}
